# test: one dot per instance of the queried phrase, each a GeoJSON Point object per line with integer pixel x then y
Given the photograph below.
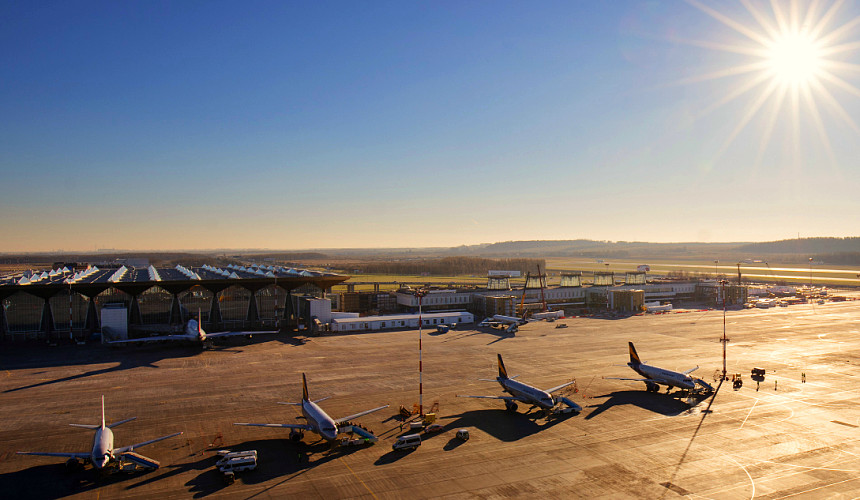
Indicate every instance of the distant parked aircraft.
{"type": "Point", "coordinates": [193, 333]}
{"type": "Point", "coordinates": [655, 377]}
{"type": "Point", "coordinates": [103, 452]}
{"type": "Point", "coordinates": [525, 393]}
{"type": "Point", "coordinates": [317, 420]}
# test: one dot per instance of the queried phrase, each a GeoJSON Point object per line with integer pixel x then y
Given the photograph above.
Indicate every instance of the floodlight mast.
{"type": "Point", "coordinates": [724, 340]}
{"type": "Point", "coordinates": [420, 293]}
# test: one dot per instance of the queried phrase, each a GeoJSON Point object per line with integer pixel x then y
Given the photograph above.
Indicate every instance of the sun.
{"type": "Point", "coordinates": [794, 59]}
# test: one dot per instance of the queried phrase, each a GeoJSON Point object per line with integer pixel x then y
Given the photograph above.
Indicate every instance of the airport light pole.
{"type": "Point", "coordinates": [715, 268]}
{"type": "Point", "coordinates": [420, 293]}
{"type": "Point", "coordinates": [71, 335]}
{"type": "Point", "coordinates": [810, 272]}
{"type": "Point", "coordinates": [724, 340]}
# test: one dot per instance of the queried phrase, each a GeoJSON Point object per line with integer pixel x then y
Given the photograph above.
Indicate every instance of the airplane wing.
{"type": "Point", "coordinates": [559, 387]}
{"type": "Point", "coordinates": [111, 426]}
{"type": "Point", "coordinates": [139, 445]}
{"type": "Point", "coordinates": [236, 334]}
{"type": "Point", "coordinates": [48, 454]}
{"type": "Point", "coordinates": [345, 419]}
{"type": "Point", "coordinates": [636, 380]}
{"type": "Point", "coordinates": [506, 398]}
{"type": "Point", "coordinates": [303, 427]}
{"type": "Point", "coordinates": [691, 370]}
{"type": "Point", "coordinates": [144, 340]}
{"type": "Point", "coordinates": [495, 380]}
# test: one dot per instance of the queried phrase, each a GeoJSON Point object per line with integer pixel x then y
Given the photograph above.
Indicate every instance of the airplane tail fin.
{"type": "Point", "coordinates": [103, 411]}
{"type": "Point", "coordinates": [634, 358]}
{"type": "Point", "coordinates": [194, 327]}
{"type": "Point", "coordinates": [503, 373]}
{"type": "Point", "coordinates": [305, 388]}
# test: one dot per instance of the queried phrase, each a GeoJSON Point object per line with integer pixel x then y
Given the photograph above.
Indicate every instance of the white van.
{"type": "Point", "coordinates": [407, 442]}
{"type": "Point", "coordinates": [238, 461]}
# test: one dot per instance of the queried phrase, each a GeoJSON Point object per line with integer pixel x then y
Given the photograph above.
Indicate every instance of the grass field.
{"type": "Point", "coordinates": [760, 271]}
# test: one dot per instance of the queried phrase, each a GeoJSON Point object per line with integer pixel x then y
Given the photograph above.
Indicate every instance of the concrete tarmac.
{"type": "Point", "coordinates": [788, 439]}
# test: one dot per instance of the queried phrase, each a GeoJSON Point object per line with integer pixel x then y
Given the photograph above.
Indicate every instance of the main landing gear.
{"type": "Point", "coordinates": [74, 465]}
{"type": "Point", "coordinates": [296, 436]}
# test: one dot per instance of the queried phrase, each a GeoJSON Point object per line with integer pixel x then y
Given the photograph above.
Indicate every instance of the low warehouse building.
{"type": "Point", "coordinates": [399, 321]}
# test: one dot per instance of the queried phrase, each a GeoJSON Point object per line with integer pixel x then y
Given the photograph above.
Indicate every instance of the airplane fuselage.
{"type": "Point", "coordinates": [102, 452]}
{"type": "Point", "coordinates": [665, 377]}
{"type": "Point", "coordinates": [526, 393]}
{"type": "Point", "coordinates": [322, 424]}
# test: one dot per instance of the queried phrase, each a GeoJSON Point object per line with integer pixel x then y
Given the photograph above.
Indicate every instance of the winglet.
{"type": "Point", "coordinates": [634, 358]}
{"type": "Point", "coordinates": [305, 388]}
{"type": "Point", "coordinates": [502, 372]}
{"type": "Point", "coordinates": [103, 411]}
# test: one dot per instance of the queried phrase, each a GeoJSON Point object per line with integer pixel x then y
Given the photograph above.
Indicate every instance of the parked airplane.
{"type": "Point", "coordinates": [655, 377]}
{"type": "Point", "coordinates": [318, 420]}
{"type": "Point", "coordinates": [525, 393]}
{"type": "Point", "coordinates": [103, 452]}
{"type": "Point", "coordinates": [193, 333]}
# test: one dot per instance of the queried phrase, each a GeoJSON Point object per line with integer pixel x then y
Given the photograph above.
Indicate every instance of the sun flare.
{"type": "Point", "coordinates": [794, 59]}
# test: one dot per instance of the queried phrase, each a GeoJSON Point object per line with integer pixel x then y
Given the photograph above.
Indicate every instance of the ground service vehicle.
{"type": "Point", "coordinates": [236, 461]}
{"type": "Point", "coordinates": [407, 442]}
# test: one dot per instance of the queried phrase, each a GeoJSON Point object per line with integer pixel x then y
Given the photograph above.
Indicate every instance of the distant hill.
{"type": "Point", "coordinates": [825, 250]}
{"type": "Point", "coordinates": [594, 249]}
{"type": "Point", "coordinates": [804, 246]}
{"type": "Point", "coordinates": [844, 251]}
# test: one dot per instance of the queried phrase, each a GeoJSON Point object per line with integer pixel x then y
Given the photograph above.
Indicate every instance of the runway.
{"type": "Point", "coordinates": [788, 439]}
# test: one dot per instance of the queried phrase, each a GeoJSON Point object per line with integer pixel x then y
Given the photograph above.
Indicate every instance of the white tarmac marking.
{"type": "Point", "coordinates": [752, 481]}
{"type": "Point", "coordinates": [818, 488]}
{"type": "Point", "coordinates": [748, 414]}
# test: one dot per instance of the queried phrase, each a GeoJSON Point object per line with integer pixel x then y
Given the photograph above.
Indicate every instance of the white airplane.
{"type": "Point", "coordinates": [318, 420]}
{"type": "Point", "coordinates": [655, 377]}
{"type": "Point", "coordinates": [507, 326]}
{"type": "Point", "coordinates": [103, 452]}
{"type": "Point", "coordinates": [525, 393]}
{"type": "Point", "coordinates": [193, 333]}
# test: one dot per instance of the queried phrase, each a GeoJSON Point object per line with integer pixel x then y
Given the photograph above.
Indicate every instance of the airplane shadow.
{"type": "Point", "coordinates": [277, 458]}
{"type": "Point", "coordinates": [291, 339]}
{"type": "Point", "coordinates": [126, 359]}
{"type": "Point", "coordinates": [499, 334]}
{"type": "Point", "coordinates": [502, 424]}
{"type": "Point", "coordinates": [30, 482]}
{"type": "Point", "coordinates": [662, 403]}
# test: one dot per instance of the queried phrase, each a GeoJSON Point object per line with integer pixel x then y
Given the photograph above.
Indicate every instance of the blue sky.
{"type": "Point", "coordinates": [287, 125]}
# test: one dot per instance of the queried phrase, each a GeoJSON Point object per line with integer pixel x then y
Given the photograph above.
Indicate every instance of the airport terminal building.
{"type": "Point", "coordinates": [73, 302]}
{"type": "Point", "coordinates": [70, 303]}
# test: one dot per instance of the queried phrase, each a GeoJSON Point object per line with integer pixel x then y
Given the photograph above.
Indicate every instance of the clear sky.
{"type": "Point", "coordinates": [292, 125]}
